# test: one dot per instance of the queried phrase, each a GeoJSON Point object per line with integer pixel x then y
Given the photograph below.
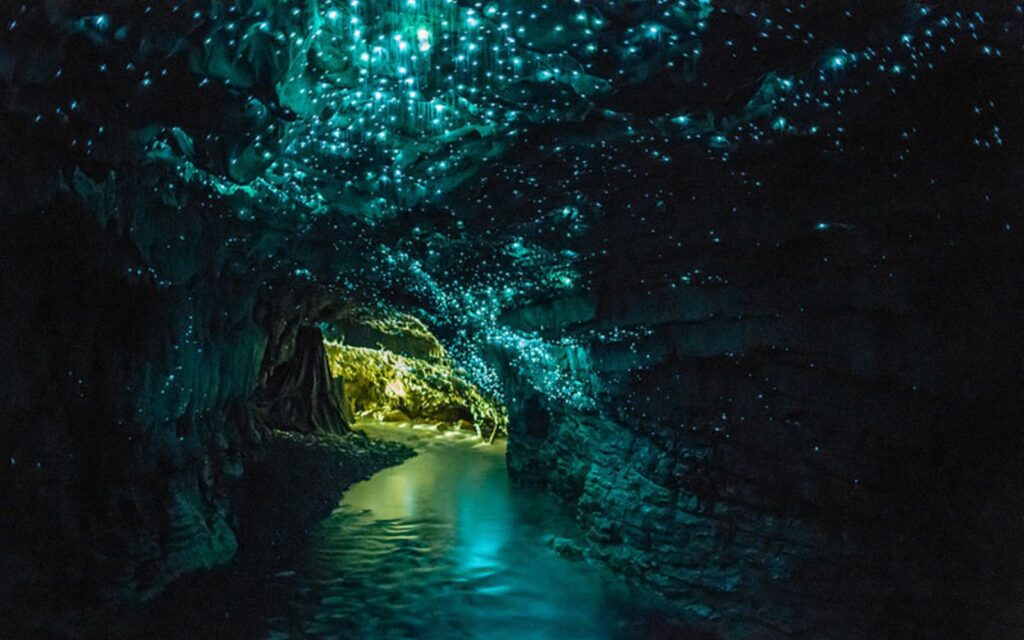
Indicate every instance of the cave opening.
{"type": "Point", "coordinates": [389, 368]}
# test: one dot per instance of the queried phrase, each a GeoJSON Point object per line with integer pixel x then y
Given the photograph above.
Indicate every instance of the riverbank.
{"type": "Point", "coordinates": [291, 482]}
{"type": "Point", "coordinates": [442, 546]}
{"type": "Point", "coordinates": [295, 480]}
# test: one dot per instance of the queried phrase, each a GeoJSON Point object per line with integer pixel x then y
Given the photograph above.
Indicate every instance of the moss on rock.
{"type": "Point", "coordinates": [387, 386]}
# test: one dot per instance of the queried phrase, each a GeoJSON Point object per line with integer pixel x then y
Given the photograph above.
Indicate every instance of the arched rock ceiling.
{"type": "Point", "coordinates": [465, 158]}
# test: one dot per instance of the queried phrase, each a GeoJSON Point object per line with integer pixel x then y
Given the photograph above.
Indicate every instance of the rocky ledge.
{"type": "Point", "coordinates": [292, 481]}
{"type": "Point", "coordinates": [296, 479]}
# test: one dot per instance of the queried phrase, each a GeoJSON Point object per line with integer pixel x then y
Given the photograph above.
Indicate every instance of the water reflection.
{"type": "Point", "coordinates": [442, 547]}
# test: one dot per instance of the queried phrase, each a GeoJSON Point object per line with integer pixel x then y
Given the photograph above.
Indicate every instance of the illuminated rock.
{"type": "Point", "coordinates": [385, 386]}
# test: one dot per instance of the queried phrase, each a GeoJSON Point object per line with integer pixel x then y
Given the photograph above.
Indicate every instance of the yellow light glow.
{"type": "Point", "coordinates": [395, 388]}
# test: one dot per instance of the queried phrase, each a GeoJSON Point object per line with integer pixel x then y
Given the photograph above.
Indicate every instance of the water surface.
{"type": "Point", "coordinates": [443, 546]}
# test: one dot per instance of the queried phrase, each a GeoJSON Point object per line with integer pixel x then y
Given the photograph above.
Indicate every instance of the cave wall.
{"type": "Point", "coordinates": [386, 386]}
{"type": "Point", "coordinates": [130, 399]}
{"type": "Point", "coordinates": [300, 394]}
{"type": "Point", "coordinates": [815, 432]}
{"type": "Point", "coordinates": [843, 467]}
{"type": "Point", "coordinates": [398, 333]}
{"type": "Point", "coordinates": [148, 342]}
{"type": "Point", "coordinates": [116, 441]}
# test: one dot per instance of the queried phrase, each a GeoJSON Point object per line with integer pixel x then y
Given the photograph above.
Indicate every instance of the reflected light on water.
{"type": "Point", "coordinates": [442, 546]}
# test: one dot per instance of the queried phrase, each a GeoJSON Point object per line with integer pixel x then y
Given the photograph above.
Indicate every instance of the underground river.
{"type": "Point", "coordinates": [441, 546]}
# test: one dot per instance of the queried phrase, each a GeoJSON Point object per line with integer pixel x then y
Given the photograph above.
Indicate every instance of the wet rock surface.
{"type": "Point", "coordinates": [792, 485]}
{"type": "Point", "coordinates": [566, 548]}
{"type": "Point", "coordinates": [300, 394]}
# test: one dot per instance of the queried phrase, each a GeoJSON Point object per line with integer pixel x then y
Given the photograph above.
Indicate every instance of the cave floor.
{"type": "Point", "coordinates": [440, 546]}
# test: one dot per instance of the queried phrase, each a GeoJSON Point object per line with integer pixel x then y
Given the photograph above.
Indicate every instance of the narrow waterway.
{"type": "Point", "coordinates": [443, 546]}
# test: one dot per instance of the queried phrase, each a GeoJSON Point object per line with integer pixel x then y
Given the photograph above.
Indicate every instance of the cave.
{"type": "Point", "coordinates": [603, 319]}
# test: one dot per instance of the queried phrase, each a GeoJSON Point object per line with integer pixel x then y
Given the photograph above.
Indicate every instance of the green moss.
{"type": "Point", "coordinates": [387, 386]}
{"type": "Point", "coordinates": [395, 332]}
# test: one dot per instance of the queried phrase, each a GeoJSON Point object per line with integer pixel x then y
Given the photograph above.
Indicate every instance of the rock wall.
{"type": "Point", "coordinates": [801, 473]}
{"type": "Point", "coordinates": [131, 401]}
{"type": "Point", "coordinates": [398, 333]}
{"type": "Point", "coordinates": [116, 441]}
{"type": "Point", "coordinates": [153, 332]}
{"type": "Point", "coordinates": [300, 394]}
{"type": "Point", "coordinates": [809, 423]}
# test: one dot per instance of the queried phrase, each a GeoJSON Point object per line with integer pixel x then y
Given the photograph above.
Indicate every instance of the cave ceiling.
{"type": "Point", "coordinates": [460, 159]}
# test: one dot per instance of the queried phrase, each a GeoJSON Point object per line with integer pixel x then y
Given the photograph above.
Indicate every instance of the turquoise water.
{"type": "Point", "coordinates": [443, 546]}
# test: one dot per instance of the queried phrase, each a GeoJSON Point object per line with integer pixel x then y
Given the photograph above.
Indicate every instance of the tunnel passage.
{"type": "Point", "coordinates": [754, 267]}
{"type": "Point", "coordinates": [389, 367]}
